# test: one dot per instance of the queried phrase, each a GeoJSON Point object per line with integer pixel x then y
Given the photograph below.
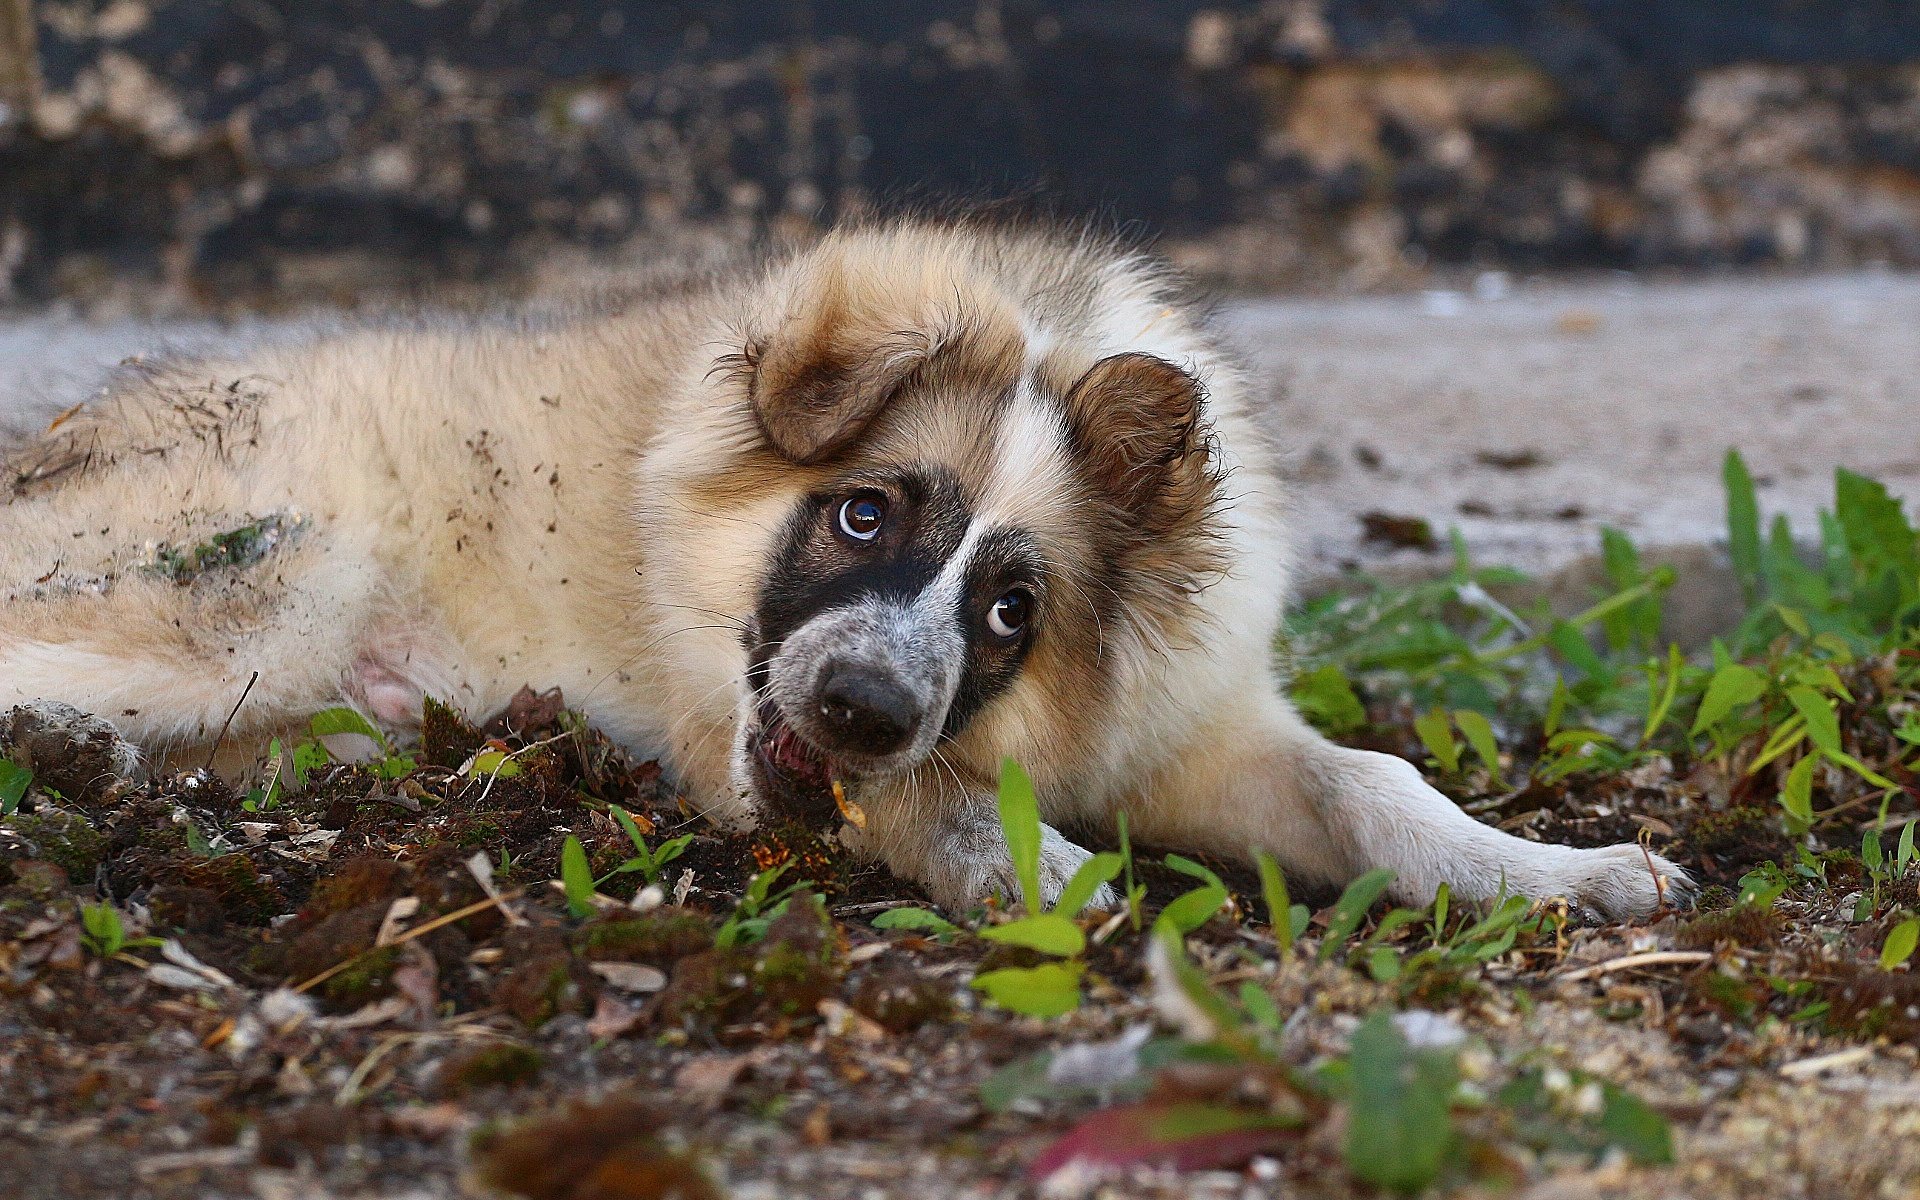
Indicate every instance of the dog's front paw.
{"type": "Point", "coordinates": [1623, 883]}
{"type": "Point", "coordinates": [970, 867]}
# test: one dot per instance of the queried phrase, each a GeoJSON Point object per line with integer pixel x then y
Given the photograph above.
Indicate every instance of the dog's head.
{"type": "Point", "coordinates": [993, 507]}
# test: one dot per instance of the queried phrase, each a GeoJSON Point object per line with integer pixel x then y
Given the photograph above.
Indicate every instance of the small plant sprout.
{"type": "Point", "coordinates": [649, 862]}
{"type": "Point", "coordinates": [104, 931]}
{"type": "Point", "coordinates": [1042, 990]}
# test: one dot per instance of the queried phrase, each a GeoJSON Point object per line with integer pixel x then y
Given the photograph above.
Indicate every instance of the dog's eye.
{"type": "Point", "coordinates": [1010, 613]}
{"type": "Point", "coordinates": [862, 516]}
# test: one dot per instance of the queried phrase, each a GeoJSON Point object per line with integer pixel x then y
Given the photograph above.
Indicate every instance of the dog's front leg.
{"type": "Point", "coordinates": [1263, 780]}
{"type": "Point", "coordinates": [945, 835]}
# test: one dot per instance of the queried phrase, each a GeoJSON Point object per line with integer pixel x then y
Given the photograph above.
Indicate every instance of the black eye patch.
{"type": "Point", "coordinates": [1003, 559]}
{"type": "Point", "coordinates": [813, 570]}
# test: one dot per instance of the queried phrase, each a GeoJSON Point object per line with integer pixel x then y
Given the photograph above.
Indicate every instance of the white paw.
{"type": "Point", "coordinates": [972, 864]}
{"type": "Point", "coordinates": [1622, 883]}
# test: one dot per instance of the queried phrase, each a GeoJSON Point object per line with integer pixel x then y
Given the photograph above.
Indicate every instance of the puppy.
{"type": "Point", "coordinates": [877, 514]}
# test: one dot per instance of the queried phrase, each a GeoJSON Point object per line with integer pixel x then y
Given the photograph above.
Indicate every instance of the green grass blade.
{"type": "Point", "coordinates": [1743, 525]}
{"type": "Point", "coordinates": [1020, 824]}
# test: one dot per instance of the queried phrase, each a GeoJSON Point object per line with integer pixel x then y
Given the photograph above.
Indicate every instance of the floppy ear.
{"type": "Point", "coordinates": [1136, 425]}
{"type": "Point", "coordinates": [816, 384]}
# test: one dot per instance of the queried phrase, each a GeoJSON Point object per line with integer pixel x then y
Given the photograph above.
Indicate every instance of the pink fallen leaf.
{"type": "Point", "coordinates": [1184, 1135]}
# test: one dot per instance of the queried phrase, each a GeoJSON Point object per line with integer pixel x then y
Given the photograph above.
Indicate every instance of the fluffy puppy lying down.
{"type": "Point", "coordinates": [881, 512]}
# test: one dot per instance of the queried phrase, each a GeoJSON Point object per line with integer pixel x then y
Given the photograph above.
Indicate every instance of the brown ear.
{"type": "Point", "coordinates": [815, 387]}
{"type": "Point", "coordinates": [1136, 423]}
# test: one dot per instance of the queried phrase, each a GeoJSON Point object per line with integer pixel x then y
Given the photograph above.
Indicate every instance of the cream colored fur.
{"type": "Point", "coordinates": [590, 504]}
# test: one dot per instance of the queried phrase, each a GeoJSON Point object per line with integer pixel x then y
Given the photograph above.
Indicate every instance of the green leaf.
{"type": "Point", "coordinates": [1325, 698]}
{"type": "Point", "coordinates": [576, 878]}
{"type": "Point", "coordinates": [1823, 727]}
{"type": "Point", "coordinates": [1903, 853]}
{"type": "Point", "coordinates": [1436, 734]}
{"type": "Point", "coordinates": [1629, 1124]}
{"type": "Point", "coordinates": [1479, 734]}
{"type": "Point", "coordinates": [632, 828]}
{"type": "Point", "coordinates": [1351, 908]}
{"type": "Point", "coordinates": [1797, 795]}
{"type": "Point", "coordinates": [1020, 824]}
{"type": "Point", "coordinates": [329, 721]}
{"type": "Point", "coordinates": [1189, 911]}
{"type": "Point", "coordinates": [1048, 990]}
{"type": "Point", "coordinates": [919, 920]}
{"type": "Point", "coordinates": [1878, 535]}
{"type": "Point", "coordinates": [1401, 1130]}
{"type": "Point", "coordinates": [105, 931]}
{"type": "Point", "coordinates": [197, 843]}
{"type": "Point", "coordinates": [1260, 1006]}
{"type": "Point", "coordinates": [308, 757]}
{"type": "Point", "coordinates": [1743, 525]}
{"type": "Point", "coordinates": [497, 763]}
{"type": "Point", "coordinates": [1732, 686]}
{"type": "Point", "coordinates": [1900, 943]}
{"type": "Point", "coordinates": [1049, 933]}
{"type": "Point", "coordinates": [1273, 888]}
{"type": "Point", "coordinates": [1099, 869]}
{"type": "Point", "coordinates": [14, 782]}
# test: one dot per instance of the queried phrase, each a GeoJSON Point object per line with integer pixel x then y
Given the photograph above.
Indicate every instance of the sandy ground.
{"type": "Point", "coordinates": [1608, 402]}
{"type": "Point", "coordinates": [1526, 414]}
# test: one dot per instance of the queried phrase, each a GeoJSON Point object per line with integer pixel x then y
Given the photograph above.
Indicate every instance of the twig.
{"type": "Point", "coordinates": [1650, 958]}
{"type": "Point", "coordinates": [1826, 1062]}
{"type": "Point", "coordinates": [217, 742]}
{"type": "Point", "coordinates": [420, 930]}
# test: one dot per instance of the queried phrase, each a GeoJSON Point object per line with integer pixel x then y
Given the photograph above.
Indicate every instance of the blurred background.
{"type": "Point", "coordinates": [159, 154]}
{"type": "Point", "coordinates": [1525, 268]}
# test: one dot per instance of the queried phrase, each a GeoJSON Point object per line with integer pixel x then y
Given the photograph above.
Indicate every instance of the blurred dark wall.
{"type": "Point", "coordinates": [256, 150]}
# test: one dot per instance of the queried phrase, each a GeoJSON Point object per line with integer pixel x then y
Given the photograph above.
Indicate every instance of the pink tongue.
{"type": "Point", "coordinates": [792, 756]}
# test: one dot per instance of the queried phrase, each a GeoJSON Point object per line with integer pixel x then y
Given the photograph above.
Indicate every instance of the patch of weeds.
{"type": "Point", "coordinates": [1570, 1112]}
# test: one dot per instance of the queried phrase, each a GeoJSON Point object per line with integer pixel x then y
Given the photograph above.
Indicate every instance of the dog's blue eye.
{"type": "Point", "coordinates": [861, 518]}
{"type": "Point", "coordinates": [1010, 613]}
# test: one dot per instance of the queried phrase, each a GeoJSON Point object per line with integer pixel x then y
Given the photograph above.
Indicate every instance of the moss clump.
{"type": "Point", "coordinates": [364, 980]}
{"type": "Point", "coordinates": [65, 839]}
{"type": "Point", "coordinates": [541, 981]}
{"type": "Point", "coordinates": [782, 977]}
{"type": "Point", "coordinates": [368, 879]}
{"type": "Point", "coordinates": [447, 739]}
{"type": "Point", "coordinates": [1743, 925]}
{"type": "Point", "coordinates": [334, 940]}
{"type": "Point", "coordinates": [597, 1151]}
{"type": "Point", "coordinates": [900, 997]}
{"type": "Point", "coordinates": [504, 1064]}
{"type": "Point", "coordinates": [1867, 1002]}
{"type": "Point", "coordinates": [1741, 836]}
{"type": "Point", "coordinates": [660, 937]}
{"type": "Point", "coordinates": [247, 896]}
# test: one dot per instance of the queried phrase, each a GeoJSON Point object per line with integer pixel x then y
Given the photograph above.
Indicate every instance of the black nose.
{"type": "Point", "coordinates": [866, 710]}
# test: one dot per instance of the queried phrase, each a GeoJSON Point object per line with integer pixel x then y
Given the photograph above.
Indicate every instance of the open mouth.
{"type": "Point", "coordinates": [795, 778]}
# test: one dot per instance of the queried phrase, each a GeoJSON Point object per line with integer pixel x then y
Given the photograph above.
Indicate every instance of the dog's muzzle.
{"type": "Point", "coordinates": [856, 692]}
